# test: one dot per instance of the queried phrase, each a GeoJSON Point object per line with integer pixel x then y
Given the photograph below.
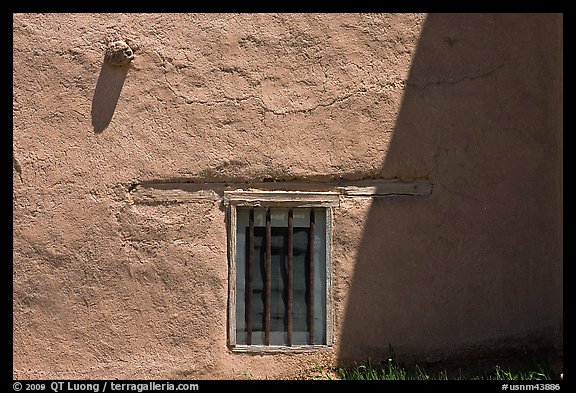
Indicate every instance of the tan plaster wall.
{"type": "Point", "coordinates": [104, 287]}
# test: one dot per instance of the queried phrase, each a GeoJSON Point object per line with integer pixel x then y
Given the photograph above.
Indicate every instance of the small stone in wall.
{"type": "Point", "coordinates": [120, 52]}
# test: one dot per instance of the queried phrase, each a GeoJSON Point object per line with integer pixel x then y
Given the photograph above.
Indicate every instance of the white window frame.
{"type": "Point", "coordinates": [275, 199]}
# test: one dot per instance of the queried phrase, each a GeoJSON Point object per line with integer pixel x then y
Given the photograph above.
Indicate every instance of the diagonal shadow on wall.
{"type": "Point", "coordinates": [477, 265]}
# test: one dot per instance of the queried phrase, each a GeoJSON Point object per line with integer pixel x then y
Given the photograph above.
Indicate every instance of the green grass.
{"type": "Point", "coordinates": [541, 374]}
{"type": "Point", "coordinates": [392, 371]}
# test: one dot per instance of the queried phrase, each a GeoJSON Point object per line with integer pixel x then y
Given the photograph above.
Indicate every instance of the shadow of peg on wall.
{"type": "Point", "coordinates": [117, 61]}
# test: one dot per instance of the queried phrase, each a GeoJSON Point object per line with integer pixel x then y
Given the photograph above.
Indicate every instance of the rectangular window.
{"type": "Point", "coordinates": [280, 275]}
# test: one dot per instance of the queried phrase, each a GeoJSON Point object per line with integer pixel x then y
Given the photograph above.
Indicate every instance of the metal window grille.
{"type": "Point", "coordinates": [259, 288]}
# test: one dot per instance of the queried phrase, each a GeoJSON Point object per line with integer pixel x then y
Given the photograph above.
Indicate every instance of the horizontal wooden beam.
{"type": "Point", "coordinates": [387, 189]}
{"type": "Point", "coordinates": [282, 198]}
{"type": "Point", "coordinates": [282, 193]}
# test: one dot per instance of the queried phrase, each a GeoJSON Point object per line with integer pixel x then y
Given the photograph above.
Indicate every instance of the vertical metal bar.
{"type": "Point", "coordinates": [290, 264]}
{"type": "Point", "coordinates": [311, 278]}
{"type": "Point", "coordinates": [249, 285]}
{"type": "Point", "coordinates": [268, 271]}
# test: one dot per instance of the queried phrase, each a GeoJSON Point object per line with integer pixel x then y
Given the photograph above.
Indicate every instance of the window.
{"type": "Point", "coordinates": [279, 251]}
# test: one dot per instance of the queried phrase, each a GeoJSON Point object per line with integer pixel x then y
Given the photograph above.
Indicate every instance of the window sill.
{"type": "Point", "coordinates": [280, 348]}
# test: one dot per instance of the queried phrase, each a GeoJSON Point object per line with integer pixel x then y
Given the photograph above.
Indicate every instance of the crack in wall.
{"type": "Point", "coordinates": [452, 83]}
{"type": "Point", "coordinates": [237, 100]}
{"type": "Point", "coordinates": [334, 101]}
{"type": "Point", "coordinates": [463, 195]}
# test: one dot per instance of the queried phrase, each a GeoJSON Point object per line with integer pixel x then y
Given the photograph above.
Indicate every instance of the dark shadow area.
{"type": "Point", "coordinates": [106, 94]}
{"type": "Point", "coordinates": [476, 267]}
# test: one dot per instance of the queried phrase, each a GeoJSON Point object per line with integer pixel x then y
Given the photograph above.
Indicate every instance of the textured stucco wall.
{"type": "Point", "coordinates": [105, 287]}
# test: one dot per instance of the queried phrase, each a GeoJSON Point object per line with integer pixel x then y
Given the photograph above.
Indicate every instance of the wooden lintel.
{"type": "Point", "coordinates": [285, 193]}
{"type": "Point", "coordinates": [282, 198]}
{"type": "Point", "coordinates": [388, 189]}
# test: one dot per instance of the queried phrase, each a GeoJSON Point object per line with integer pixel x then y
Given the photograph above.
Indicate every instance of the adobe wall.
{"type": "Point", "coordinates": [108, 287]}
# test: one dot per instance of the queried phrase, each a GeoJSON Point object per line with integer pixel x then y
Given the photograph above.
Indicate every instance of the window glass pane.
{"type": "Point", "coordinates": [259, 217]}
{"type": "Point", "coordinates": [258, 280]}
{"type": "Point", "coordinates": [301, 217]}
{"type": "Point", "coordinates": [279, 277]}
{"type": "Point", "coordinates": [300, 286]}
{"type": "Point", "coordinates": [241, 244]}
{"type": "Point", "coordinates": [279, 217]}
{"type": "Point", "coordinates": [320, 277]}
